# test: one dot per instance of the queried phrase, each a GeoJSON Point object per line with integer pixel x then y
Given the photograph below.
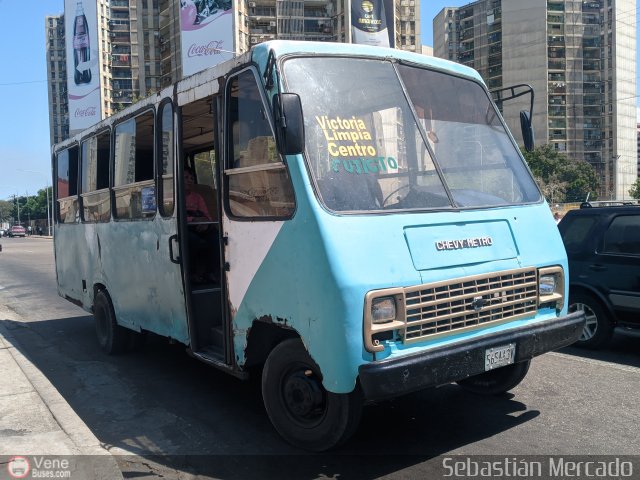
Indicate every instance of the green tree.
{"type": "Point", "coordinates": [635, 189]}
{"type": "Point", "coordinates": [560, 179]}
{"type": "Point", "coordinates": [32, 207]}
{"type": "Point", "coordinates": [6, 210]}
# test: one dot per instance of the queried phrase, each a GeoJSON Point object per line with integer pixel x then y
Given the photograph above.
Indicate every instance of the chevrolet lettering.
{"type": "Point", "coordinates": [464, 243]}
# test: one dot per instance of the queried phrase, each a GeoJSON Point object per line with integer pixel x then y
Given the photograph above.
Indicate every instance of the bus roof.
{"type": "Point", "coordinates": [285, 47]}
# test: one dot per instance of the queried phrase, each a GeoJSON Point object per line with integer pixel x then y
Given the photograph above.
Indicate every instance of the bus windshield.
{"type": "Point", "coordinates": [370, 147]}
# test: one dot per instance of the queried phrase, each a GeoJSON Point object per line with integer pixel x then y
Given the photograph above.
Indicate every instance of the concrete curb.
{"type": "Point", "coordinates": [80, 437]}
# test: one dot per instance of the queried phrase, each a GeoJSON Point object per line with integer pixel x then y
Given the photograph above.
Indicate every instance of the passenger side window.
{"type": "Point", "coordinates": [133, 184]}
{"type": "Point", "coordinates": [258, 180]}
{"type": "Point", "coordinates": [623, 235]}
{"type": "Point", "coordinates": [96, 204]}
{"type": "Point", "coordinates": [67, 185]}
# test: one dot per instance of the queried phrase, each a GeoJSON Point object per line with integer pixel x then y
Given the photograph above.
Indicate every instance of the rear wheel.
{"type": "Point", "coordinates": [598, 328]}
{"type": "Point", "coordinates": [299, 407]}
{"type": "Point", "coordinates": [498, 381]}
{"type": "Point", "coordinates": [113, 338]}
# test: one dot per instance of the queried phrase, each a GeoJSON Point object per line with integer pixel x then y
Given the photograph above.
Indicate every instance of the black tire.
{"type": "Point", "coordinates": [498, 381]}
{"type": "Point", "coordinates": [598, 329]}
{"type": "Point", "coordinates": [113, 338]}
{"type": "Point", "coordinates": [299, 407]}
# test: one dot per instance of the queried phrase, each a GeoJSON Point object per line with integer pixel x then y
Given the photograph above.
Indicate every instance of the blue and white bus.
{"type": "Point", "coordinates": [356, 220]}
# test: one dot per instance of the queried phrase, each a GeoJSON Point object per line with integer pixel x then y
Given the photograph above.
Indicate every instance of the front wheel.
{"type": "Point", "coordinates": [498, 381]}
{"type": "Point", "coordinates": [299, 407]}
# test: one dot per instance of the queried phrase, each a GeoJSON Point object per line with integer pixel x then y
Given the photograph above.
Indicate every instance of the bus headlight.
{"type": "Point", "coordinates": [383, 310]}
{"type": "Point", "coordinates": [551, 287]}
{"type": "Point", "coordinates": [384, 317]}
{"type": "Point", "coordinates": [547, 285]}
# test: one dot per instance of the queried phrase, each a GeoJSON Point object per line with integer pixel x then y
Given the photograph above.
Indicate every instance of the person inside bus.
{"type": "Point", "coordinates": [202, 234]}
{"type": "Point", "coordinates": [197, 210]}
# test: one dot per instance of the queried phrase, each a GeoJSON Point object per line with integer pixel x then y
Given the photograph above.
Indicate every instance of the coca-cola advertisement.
{"type": "Point", "coordinates": [83, 79]}
{"type": "Point", "coordinates": [207, 33]}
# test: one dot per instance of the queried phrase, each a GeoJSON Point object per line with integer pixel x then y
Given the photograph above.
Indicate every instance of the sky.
{"type": "Point", "coordinates": [24, 112]}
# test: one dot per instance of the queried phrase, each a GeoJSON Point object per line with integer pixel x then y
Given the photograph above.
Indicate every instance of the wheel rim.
{"type": "Point", "coordinates": [303, 396]}
{"type": "Point", "coordinates": [591, 324]}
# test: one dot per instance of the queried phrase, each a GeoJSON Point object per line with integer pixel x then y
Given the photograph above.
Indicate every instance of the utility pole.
{"type": "Point", "coordinates": [15, 197]}
{"type": "Point", "coordinates": [28, 211]}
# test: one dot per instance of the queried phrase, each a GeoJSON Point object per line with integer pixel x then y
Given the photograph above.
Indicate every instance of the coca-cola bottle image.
{"type": "Point", "coordinates": [81, 51]}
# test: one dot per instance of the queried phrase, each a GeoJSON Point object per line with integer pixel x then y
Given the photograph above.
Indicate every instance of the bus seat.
{"type": "Point", "coordinates": [260, 150]}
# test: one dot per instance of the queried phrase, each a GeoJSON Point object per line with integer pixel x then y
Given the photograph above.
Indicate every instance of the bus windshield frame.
{"type": "Point", "coordinates": [383, 135]}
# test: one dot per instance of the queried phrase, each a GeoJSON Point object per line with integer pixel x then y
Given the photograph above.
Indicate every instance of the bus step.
{"type": "Point", "coordinates": [213, 356]}
{"type": "Point", "coordinates": [200, 289]}
{"type": "Point", "coordinates": [212, 352]}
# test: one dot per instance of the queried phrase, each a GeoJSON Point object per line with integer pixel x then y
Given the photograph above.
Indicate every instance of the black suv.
{"type": "Point", "coordinates": [603, 246]}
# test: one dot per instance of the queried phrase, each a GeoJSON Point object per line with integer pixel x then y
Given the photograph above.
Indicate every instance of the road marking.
{"type": "Point", "coordinates": [601, 363]}
{"type": "Point", "coordinates": [1, 287]}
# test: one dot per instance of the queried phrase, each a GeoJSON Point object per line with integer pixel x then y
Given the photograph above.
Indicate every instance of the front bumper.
{"type": "Point", "coordinates": [450, 363]}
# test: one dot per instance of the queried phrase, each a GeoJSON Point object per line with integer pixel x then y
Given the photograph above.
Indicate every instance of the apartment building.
{"type": "Point", "coordinates": [318, 20]}
{"type": "Point", "coordinates": [140, 42]}
{"type": "Point", "coordinates": [169, 42]}
{"type": "Point", "coordinates": [57, 76]}
{"type": "Point", "coordinates": [579, 56]}
{"type": "Point", "coordinates": [139, 45]}
{"type": "Point", "coordinates": [638, 139]}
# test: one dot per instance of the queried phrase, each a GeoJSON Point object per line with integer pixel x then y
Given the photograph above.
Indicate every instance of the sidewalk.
{"type": "Point", "coordinates": [36, 420]}
{"type": "Point", "coordinates": [40, 236]}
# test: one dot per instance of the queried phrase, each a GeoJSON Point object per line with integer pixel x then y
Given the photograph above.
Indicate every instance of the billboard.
{"type": "Point", "coordinates": [206, 28]}
{"type": "Point", "coordinates": [83, 78]}
{"type": "Point", "coordinates": [372, 22]}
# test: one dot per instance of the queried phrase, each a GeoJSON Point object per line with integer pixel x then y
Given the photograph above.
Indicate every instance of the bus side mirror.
{"type": "Point", "coordinates": [527, 130]}
{"type": "Point", "coordinates": [287, 112]}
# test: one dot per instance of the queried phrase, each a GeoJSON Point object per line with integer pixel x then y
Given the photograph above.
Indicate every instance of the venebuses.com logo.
{"type": "Point", "coordinates": [38, 467]}
{"type": "Point", "coordinates": [18, 467]}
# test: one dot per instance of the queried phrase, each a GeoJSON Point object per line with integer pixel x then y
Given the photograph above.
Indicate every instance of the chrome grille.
{"type": "Point", "coordinates": [465, 303]}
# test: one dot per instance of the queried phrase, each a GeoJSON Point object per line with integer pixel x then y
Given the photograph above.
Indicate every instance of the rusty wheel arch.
{"type": "Point", "coordinates": [263, 336]}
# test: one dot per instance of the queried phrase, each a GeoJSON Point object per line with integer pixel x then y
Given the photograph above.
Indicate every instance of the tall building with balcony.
{"type": "Point", "coordinates": [638, 139]}
{"type": "Point", "coordinates": [57, 75]}
{"type": "Point", "coordinates": [135, 48]}
{"type": "Point", "coordinates": [140, 43]}
{"type": "Point", "coordinates": [579, 56]}
{"type": "Point", "coordinates": [169, 42]}
{"type": "Point", "coordinates": [317, 20]}
{"type": "Point", "coordinates": [139, 52]}
{"type": "Point", "coordinates": [407, 25]}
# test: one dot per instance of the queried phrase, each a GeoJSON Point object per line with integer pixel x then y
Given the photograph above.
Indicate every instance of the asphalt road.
{"type": "Point", "coordinates": [164, 413]}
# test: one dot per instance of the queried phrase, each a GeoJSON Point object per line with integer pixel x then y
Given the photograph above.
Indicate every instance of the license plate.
{"type": "Point", "coordinates": [499, 356]}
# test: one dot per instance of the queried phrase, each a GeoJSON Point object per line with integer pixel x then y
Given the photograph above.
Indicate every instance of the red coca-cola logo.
{"type": "Point", "coordinates": [85, 112]}
{"type": "Point", "coordinates": [212, 48]}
